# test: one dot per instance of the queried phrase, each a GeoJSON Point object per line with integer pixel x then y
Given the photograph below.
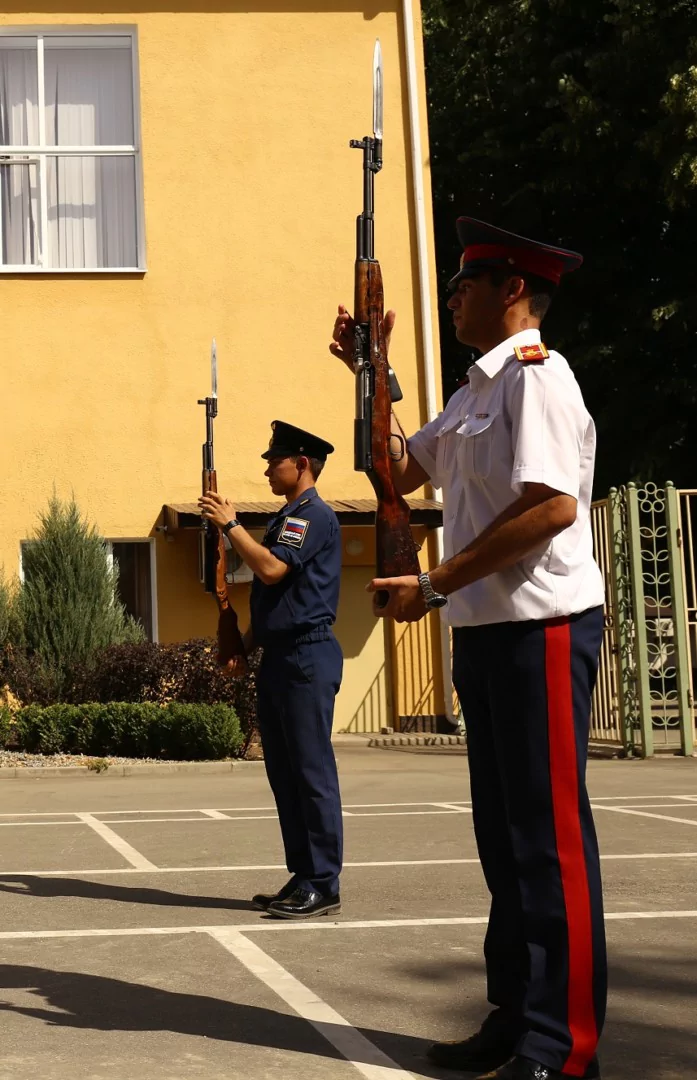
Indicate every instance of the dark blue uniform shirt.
{"type": "Point", "coordinates": [306, 535]}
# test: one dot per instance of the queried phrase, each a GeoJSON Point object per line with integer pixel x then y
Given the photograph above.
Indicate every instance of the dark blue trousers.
{"type": "Point", "coordinates": [525, 690]}
{"type": "Point", "coordinates": [297, 683]}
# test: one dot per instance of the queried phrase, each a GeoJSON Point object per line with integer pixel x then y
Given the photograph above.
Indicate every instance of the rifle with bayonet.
{"type": "Point", "coordinates": [376, 383]}
{"type": "Point", "coordinates": [215, 558]}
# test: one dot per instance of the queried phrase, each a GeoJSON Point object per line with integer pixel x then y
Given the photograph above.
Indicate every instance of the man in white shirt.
{"type": "Point", "coordinates": [514, 453]}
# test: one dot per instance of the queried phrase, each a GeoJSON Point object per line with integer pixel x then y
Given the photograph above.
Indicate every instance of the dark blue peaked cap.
{"type": "Point", "coordinates": [288, 441]}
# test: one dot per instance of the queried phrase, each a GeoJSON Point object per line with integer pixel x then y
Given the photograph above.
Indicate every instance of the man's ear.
{"type": "Point", "coordinates": [514, 290]}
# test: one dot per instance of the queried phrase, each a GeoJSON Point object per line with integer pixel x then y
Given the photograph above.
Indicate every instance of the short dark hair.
{"type": "Point", "coordinates": [542, 291]}
{"type": "Point", "coordinates": [315, 464]}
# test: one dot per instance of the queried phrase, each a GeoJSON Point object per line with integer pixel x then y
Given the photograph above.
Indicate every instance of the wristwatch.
{"type": "Point", "coordinates": [432, 598]}
{"type": "Point", "coordinates": [231, 525]}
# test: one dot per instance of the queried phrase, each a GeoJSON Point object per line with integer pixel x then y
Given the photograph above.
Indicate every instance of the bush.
{"type": "Point", "coordinates": [131, 729]}
{"type": "Point", "coordinates": [5, 726]}
{"type": "Point", "coordinates": [186, 672]}
{"type": "Point", "coordinates": [67, 607]}
{"type": "Point", "coordinates": [28, 677]}
{"type": "Point", "coordinates": [8, 608]}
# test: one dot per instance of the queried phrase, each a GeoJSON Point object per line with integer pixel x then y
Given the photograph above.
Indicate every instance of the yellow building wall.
{"type": "Point", "coordinates": [250, 194]}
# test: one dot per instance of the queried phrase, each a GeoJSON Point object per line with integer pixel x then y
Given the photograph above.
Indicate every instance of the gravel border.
{"type": "Point", "coordinates": [19, 765]}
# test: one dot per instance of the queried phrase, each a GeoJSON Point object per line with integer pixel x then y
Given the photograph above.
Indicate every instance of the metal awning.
{"type": "Point", "coordinates": [176, 516]}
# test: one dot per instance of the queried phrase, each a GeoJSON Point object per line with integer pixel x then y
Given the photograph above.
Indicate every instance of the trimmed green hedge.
{"type": "Point", "coordinates": [129, 729]}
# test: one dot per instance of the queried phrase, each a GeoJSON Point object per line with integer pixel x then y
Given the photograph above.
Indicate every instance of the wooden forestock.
{"type": "Point", "coordinates": [230, 644]}
{"type": "Point", "coordinates": [396, 551]}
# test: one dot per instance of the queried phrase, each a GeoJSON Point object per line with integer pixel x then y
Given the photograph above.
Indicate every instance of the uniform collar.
{"type": "Point", "coordinates": [491, 363]}
{"type": "Point", "coordinates": [311, 493]}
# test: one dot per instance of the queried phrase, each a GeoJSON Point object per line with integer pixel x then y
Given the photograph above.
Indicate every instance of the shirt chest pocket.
{"type": "Point", "coordinates": [477, 440]}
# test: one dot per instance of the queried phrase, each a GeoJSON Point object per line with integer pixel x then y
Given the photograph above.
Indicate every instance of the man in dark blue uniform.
{"type": "Point", "coordinates": [295, 592]}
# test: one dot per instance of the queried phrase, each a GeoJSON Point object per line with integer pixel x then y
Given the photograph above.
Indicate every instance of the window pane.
{"type": "Point", "coordinates": [19, 214]}
{"type": "Point", "coordinates": [92, 212]}
{"type": "Point", "coordinates": [134, 587]}
{"type": "Point", "coordinates": [89, 92]}
{"type": "Point", "coordinates": [19, 93]}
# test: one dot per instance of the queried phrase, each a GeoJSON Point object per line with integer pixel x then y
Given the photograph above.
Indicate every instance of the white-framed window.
{"type": "Point", "coordinates": [70, 166]}
{"type": "Point", "coordinates": [137, 584]}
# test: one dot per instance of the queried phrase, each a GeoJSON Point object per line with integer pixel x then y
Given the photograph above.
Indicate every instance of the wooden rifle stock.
{"type": "Point", "coordinates": [230, 644]}
{"type": "Point", "coordinates": [396, 552]}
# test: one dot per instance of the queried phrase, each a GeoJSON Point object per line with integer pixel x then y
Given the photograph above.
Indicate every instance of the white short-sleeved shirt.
{"type": "Point", "coordinates": [515, 423]}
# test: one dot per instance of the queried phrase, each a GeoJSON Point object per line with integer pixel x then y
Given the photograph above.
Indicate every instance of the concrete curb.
{"type": "Point", "coordinates": [169, 768]}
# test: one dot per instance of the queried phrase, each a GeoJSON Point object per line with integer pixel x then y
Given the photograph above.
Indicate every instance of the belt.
{"type": "Point", "coordinates": [282, 639]}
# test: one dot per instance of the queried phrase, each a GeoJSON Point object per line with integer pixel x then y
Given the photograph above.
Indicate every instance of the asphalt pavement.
{"type": "Point", "coordinates": [130, 950]}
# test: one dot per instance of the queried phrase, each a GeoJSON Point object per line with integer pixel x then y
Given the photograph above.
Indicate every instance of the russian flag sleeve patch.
{"type": "Point", "coordinates": [294, 531]}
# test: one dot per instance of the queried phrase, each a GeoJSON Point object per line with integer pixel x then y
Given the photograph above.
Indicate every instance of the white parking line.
{"type": "Point", "coordinates": [118, 843]}
{"type": "Point", "coordinates": [643, 813]}
{"type": "Point", "coordinates": [33, 824]}
{"type": "Point", "coordinates": [258, 867]}
{"type": "Point", "coordinates": [267, 926]}
{"type": "Point", "coordinates": [365, 1057]}
{"type": "Point", "coordinates": [212, 814]}
{"type": "Point", "coordinates": [654, 806]}
{"type": "Point", "coordinates": [454, 806]}
{"type": "Point", "coordinates": [206, 816]}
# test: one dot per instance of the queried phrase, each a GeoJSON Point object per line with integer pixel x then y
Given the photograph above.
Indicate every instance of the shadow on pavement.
{"type": "Point", "coordinates": [93, 890]}
{"type": "Point", "coordinates": [651, 1027]}
{"type": "Point", "coordinates": [104, 1004]}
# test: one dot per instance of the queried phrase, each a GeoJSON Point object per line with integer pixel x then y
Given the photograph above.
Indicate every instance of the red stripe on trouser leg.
{"type": "Point", "coordinates": [567, 826]}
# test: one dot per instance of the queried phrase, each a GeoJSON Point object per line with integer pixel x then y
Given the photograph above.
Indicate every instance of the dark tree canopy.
{"type": "Point", "coordinates": [575, 122]}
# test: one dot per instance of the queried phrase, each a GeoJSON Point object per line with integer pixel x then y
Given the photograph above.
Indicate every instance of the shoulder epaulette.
{"type": "Point", "coordinates": [531, 354]}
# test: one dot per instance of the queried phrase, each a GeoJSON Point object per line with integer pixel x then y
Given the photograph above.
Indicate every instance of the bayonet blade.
{"type": "Point", "coordinates": [377, 91]}
{"type": "Point", "coordinates": [214, 369]}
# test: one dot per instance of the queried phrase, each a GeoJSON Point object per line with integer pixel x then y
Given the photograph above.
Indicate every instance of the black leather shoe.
{"type": "Point", "coordinates": [304, 904]}
{"type": "Point", "coordinates": [493, 1045]}
{"type": "Point", "coordinates": [261, 901]}
{"type": "Point", "coordinates": [521, 1068]}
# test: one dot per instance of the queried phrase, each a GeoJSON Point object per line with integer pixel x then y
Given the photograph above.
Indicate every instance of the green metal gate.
{"type": "Point", "coordinates": [643, 700]}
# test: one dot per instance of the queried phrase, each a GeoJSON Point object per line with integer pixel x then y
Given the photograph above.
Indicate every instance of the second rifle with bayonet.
{"type": "Point", "coordinates": [376, 384]}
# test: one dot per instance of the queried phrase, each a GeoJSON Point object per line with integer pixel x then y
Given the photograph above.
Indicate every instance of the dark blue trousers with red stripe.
{"type": "Point", "coordinates": [525, 690]}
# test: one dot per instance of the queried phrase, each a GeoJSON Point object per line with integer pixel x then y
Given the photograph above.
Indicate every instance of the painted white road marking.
{"type": "Point", "coordinates": [118, 843]}
{"type": "Point", "coordinates": [254, 867]}
{"type": "Point", "coordinates": [217, 815]}
{"type": "Point", "coordinates": [365, 1057]}
{"type": "Point", "coordinates": [644, 813]}
{"type": "Point", "coordinates": [272, 926]}
{"type": "Point", "coordinates": [109, 814]}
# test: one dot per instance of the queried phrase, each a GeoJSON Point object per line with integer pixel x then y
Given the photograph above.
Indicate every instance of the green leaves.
{"type": "Point", "coordinates": [575, 121]}
{"type": "Point", "coordinates": [66, 608]}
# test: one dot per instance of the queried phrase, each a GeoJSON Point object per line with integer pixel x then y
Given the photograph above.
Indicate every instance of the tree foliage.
{"type": "Point", "coordinates": [67, 605]}
{"type": "Point", "coordinates": [575, 122]}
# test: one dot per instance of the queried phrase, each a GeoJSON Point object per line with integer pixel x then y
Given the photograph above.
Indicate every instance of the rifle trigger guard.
{"type": "Point", "coordinates": [397, 455]}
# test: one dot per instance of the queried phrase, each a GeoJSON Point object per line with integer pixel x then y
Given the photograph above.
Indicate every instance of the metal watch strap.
{"type": "Point", "coordinates": [429, 593]}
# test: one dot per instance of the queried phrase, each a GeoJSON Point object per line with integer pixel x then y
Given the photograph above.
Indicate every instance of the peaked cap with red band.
{"type": "Point", "coordinates": [486, 246]}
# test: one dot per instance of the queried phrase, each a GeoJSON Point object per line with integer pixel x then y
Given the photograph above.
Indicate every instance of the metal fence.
{"type": "Point", "coordinates": [644, 543]}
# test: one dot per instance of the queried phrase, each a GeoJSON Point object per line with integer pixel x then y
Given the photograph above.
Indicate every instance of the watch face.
{"type": "Point", "coordinates": [438, 601]}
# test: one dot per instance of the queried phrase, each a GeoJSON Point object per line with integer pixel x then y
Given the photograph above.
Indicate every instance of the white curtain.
{"type": "Point", "coordinates": [19, 126]}
{"type": "Point", "coordinates": [91, 200]}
